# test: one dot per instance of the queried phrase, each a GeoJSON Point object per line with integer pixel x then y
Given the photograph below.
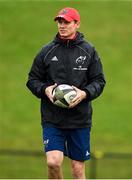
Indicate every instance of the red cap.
{"type": "Point", "coordinates": [69, 14]}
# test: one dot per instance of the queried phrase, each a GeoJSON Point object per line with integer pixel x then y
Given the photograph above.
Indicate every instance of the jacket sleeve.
{"type": "Point", "coordinates": [96, 77]}
{"type": "Point", "coordinates": [37, 77]}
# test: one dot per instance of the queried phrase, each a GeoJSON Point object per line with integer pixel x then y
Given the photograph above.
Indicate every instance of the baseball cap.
{"type": "Point", "coordinates": [69, 14]}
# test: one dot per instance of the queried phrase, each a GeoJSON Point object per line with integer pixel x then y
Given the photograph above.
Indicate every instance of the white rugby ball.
{"type": "Point", "coordinates": [63, 95]}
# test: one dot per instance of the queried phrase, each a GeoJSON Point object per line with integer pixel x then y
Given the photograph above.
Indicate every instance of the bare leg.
{"type": "Point", "coordinates": [78, 169]}
{"type": "Point", "coordinates": [54, 162]}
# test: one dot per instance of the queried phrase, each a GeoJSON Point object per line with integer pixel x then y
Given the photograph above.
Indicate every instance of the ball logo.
{"type": "Point", "coordinates": [71, 97]}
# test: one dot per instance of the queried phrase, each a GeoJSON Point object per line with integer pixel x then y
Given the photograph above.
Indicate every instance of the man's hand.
{"type": "Point", "coordinates": [79, 97]}
{"type": "Point", "coordinates": [48, 91]}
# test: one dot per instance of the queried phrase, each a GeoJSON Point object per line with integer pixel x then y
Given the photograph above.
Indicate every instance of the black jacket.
{"type": "Point", "coordinates": [74, 62]}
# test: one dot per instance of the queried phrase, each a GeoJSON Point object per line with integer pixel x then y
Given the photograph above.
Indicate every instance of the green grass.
{"type": "Point", "coordinates": [25, 26]}
{"type": "Point", "coordinates": [35, 167]}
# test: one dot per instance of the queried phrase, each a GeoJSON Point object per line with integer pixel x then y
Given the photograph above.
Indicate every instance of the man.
{"type": "Point", "coordinates": [68, 59]}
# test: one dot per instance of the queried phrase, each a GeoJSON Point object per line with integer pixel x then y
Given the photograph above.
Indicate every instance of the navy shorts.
{"type": "Point", "coordinates": [75, 143]}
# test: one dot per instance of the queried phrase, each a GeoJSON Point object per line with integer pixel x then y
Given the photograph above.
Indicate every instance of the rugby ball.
{"type": "Point", "coordinates": [63, 95]}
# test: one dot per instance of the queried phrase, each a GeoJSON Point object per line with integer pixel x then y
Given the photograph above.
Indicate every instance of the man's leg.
{"type": "Point", "coordinates": [54, 162]}
{"type": "Point", "coordinates": [78, 148]}
{"type": "Point", "coordinates": [78, 169]}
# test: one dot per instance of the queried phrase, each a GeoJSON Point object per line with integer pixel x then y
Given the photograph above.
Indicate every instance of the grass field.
{"type": "Point", "coordinates": [25, 26]}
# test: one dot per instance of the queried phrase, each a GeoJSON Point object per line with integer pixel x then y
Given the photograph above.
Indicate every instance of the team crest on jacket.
{"type": "Point", "coordinates": [80, 61]}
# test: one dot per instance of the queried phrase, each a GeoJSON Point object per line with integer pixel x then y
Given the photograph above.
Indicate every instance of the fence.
{"type": "Point", "coordinates": [95, 157]}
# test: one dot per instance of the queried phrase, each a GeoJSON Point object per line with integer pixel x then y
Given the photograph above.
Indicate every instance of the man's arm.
{"type": "Point", "coordinates": [96, 78]}
{"type": "Point", "coordinates": [96, 82]}
{"type": "Point", "coordinates": [37, 77]}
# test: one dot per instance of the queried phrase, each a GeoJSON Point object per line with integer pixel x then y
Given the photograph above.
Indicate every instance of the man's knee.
{"type": "Point", "coordinates": [53, 164]}
{"type": "Point", "coordinates": [54, 160]}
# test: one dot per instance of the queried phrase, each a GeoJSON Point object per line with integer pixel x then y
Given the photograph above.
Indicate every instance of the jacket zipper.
{"type": "Point", "coordinates": [66, 64]}
{"type": "Point", "coordinates": [68, 43]}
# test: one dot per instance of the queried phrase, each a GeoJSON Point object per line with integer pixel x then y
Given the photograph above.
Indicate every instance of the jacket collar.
{"type": "Point", "coordinates": [69, 42]}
